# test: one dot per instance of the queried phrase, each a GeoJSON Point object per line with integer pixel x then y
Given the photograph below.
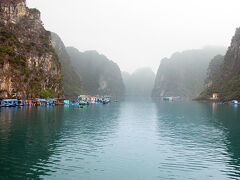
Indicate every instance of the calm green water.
{"type": "Point", "coordinates": [129, 140]}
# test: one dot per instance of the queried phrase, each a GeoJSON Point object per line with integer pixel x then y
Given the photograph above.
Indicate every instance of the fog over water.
{"type": "Point", "coordinates": [137, 33]}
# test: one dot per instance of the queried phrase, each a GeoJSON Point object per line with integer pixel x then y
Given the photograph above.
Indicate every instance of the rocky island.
{"type": "Point", "coordinates": [183, 74]}
{"type": "Point", "coordinates": [99, 75]}
{"type": "Point", "coordinates": [29, 66]}
{"type": "Point", "coordinates": [226, 80]}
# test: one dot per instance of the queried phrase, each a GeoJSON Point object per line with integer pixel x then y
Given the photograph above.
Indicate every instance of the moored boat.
{"type": "Point", "coordinates": [235, 102]}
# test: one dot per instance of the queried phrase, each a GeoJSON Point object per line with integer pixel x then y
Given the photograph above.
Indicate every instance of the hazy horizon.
{"type": "Point", "coordinates": [137, 34]}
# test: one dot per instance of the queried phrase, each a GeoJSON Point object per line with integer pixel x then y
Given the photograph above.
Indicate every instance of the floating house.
{"type": "Point", "coordinates": [9, 103]}
{"type": "Point", "coordinates": [168, 98]}
{"type": "Point", "coordinates": [67, 102]}
{"type": "Point", "coordinates": [83, 98]}
{"type": "Point", "coordinates": [52, 101]}
{"type": "Point", "coordinates": [93, 99]}
{"type": "Point", "coordinates": [41, 102]}
{"type": "Point", "coordinates": [60, 101]}
{"type": "Point", "coordinates": [21, 103]}
{"type": "Point", "coordinates": [215, 96]}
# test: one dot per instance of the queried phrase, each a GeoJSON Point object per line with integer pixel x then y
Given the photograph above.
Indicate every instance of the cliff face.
{"type": "Point", "coordinates": [12, 10]}
{"type": "Point", "coordinates": [99, 75]}
{"type": "Point", "coordinates": [184, 73]}
{"type": "Point", "coordinates": [213, 70]}
{"type": "Point", "coordinates": [140, 83]}
{"type": "Point", "coordinates": [29, 65]}
{"type": "Point", "coordinates": [227, 82]}
{"type": "Point", "coordinates": [71, 80]}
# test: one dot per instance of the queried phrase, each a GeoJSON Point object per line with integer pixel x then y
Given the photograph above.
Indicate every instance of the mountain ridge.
{"type": "Point", "coordinates": [99, 74]}
{"type": "Point", "coordinates": [183, 74]}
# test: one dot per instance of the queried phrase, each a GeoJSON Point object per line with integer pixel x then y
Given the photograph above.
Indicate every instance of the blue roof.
{"type": "Point", "coordinates": [42, 100]}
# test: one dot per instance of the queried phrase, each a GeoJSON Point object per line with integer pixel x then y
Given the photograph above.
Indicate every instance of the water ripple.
{"type": "Point", "coordinates": [132, 140]}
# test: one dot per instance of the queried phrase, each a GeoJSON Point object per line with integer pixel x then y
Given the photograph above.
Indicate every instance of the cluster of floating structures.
{"type": "Point", "coordinates": [235, 102]}
{"type": "Point", "coordinates": [80, 101]}
{"type": "Point", "coordinates": [178, 98]}
{"type": "Point", "coordinates": [214, 99]}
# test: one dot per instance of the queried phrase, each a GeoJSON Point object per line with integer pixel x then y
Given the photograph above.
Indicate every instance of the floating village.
{"type": "Point", "coordinates": [84, 100]}
{"type": "Point", "coordinates": [80, 101]}
{"type": "Point", "coordinates": [215, 99]}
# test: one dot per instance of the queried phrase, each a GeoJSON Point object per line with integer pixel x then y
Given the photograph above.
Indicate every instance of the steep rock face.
{"type": "Point", "coordinates": [99, 75]}
{"type": "Point", "coordinates": [213, 70]}
{"type": "Point", "coordinates": [140, 83]}
{"type": "Point", "coordinates": [184, 73]}
{"type": "Point", "coordinates": [71, 80]}
{"type": "Point", "coordinates": [29, 66]}
{"type": "Point", "coordinates": [12, 10]}
{"type": "Point", "coordinates": [227, 83]}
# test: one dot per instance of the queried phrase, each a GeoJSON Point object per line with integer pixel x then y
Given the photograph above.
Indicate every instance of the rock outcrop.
{"type": "Point", "coordinates": [227, 82]}
{"type": "Point", "coordinates": [184, 73]}
{"type": "Point", "coordinates": [29, 66]}
{"type": "Point", "coordinates": [139, 83]}
{"type": "Point", "coordinates": [71, 80]}
{"type": "Point", "coordinates": [213, 71]}
{"type": "Point", "coordinates": [99, 75]}
{"type": "Point", "coordinates": [13, 10]}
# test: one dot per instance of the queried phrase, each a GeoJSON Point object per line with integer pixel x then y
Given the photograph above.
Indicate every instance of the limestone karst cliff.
{"type": "Point", "coordinates": [214, 69]}
{"type": "Point", "coordinates": [99, 75]}
{"type": "Point", "coordinates": [184, 73]}
{"type": "Point", "coordinates": [71, 80]}
{"type": "Point", "coordinates": [29, 66]}
{"type": "Point", "coordinates": [227, 82]}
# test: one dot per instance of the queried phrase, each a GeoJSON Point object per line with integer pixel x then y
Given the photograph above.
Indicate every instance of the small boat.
{"type": "Point", "coordinates": [96, 103]}
{"type": "Point", "coordinates": [220, 103]}
{"type": "Point", "coordinates": [235, 102]}
{"type": "Point", "coordinates": [105, 102]}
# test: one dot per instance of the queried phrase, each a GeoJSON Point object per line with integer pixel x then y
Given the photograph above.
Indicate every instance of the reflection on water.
{"type": "Point", "coordinates": [199, 141]}
{"type": "Point", "coordinates": [228, 119]}
{"type": "Point", "coordinates": [27, 138]}
{"type": "Point", "coordinates": [132, 139]}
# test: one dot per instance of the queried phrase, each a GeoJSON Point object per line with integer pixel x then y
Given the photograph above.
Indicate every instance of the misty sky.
{"type": "Point", "coordinates": [138, 33]}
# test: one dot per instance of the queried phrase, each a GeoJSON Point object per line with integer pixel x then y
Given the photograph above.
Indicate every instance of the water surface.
{"type": "Point", "coordinates": [130, 140]}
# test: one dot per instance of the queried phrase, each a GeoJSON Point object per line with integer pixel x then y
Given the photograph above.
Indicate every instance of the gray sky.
{"type": "Point", "coordinates": [138, 33]}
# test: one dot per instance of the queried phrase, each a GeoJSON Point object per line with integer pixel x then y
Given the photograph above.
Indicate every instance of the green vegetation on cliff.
{"type": "Point", "coordinates": [214, 70]}
{"type": "Point", "coordinates": [212, 75]}
{"type": "Point", "coordinates": [29, 65]}
{"type": "Point", "coordinates": [71, 80]}
{"type": "Point", "coordinates": [227, 81]}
